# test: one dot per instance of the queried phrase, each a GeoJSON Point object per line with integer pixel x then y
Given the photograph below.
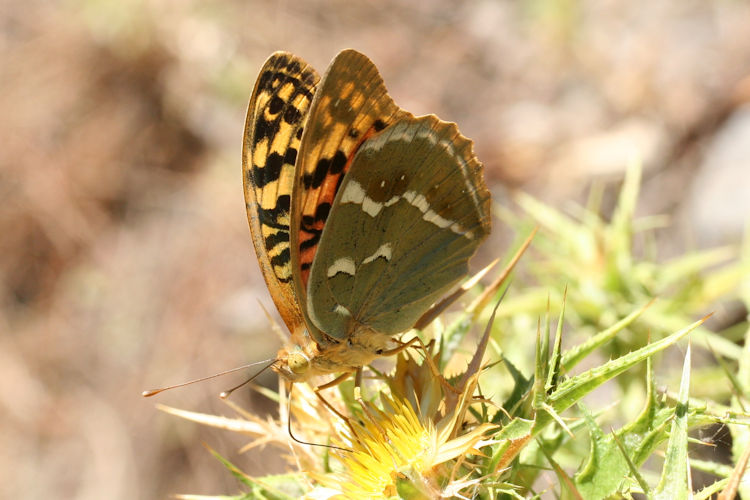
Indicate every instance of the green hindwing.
{"type": "Point", "coordinates": [409, 214]}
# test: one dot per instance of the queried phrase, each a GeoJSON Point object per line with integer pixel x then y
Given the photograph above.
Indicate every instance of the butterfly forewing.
{"type": "Point", "coordinates": [410, 212]}
{"type": "Point", "coordinates": [276, 116]}
{"type": "Point", "coordinates": [350, 105]}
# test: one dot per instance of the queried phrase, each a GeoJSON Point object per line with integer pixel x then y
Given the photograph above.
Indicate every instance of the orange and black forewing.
{"type": "Point", "coordinates": [276, 117]}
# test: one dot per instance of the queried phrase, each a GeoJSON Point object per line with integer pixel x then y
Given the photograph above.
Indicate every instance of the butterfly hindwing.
{"type": "Point", "coordinates": [276, 116]}
{"type": "Point", "coordinates": [409, 214]}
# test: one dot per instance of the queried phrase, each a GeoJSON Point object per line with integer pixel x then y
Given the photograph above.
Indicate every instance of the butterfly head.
{"type": "Point", "coordinates": [295, 363]}
{"type": "Point", "coordinates": [298, 362]}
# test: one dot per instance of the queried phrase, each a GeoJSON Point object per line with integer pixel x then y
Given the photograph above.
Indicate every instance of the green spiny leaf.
{"type": "Point", "coordinates": [674, 480]}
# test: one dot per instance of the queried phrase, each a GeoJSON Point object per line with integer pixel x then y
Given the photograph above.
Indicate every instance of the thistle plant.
{"type": "Point", "coordinates": [514, 398]}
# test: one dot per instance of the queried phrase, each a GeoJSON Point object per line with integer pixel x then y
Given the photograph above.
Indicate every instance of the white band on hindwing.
{"type": "Point", "coordinates": [353, 193]}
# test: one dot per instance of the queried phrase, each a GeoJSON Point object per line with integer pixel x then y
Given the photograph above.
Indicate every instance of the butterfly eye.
{"type": "Point", "coordinates": [298, 363]}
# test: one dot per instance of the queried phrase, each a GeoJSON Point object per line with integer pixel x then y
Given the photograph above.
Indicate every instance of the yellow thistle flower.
{"type": "Point", "coordinates": [393, 452]}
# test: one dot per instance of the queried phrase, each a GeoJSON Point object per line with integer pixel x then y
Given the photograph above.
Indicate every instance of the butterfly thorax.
{"type": "Point", "coordinates": [300, 362]}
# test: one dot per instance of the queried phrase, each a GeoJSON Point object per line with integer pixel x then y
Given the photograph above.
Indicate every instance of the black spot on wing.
{"type": "Point", "coordinates": [276, 105]}
{"type": "Point", "coordinates": [270, 217]}
{"type": "Point", "coordinates": [270, 172]}
{"type": "Point", "coordinates": [264, 81]}
{"type": "Point", "coordinates": [315, 179]}
{"type": "Point", "coordinates": [338, 163]}
{"type": "Point", "coordinates": [272, 169]}
{"type": "Point", "coordinates": [322, 211]}
{"type": "Point", "coordinates": [284, 203]}
{"type": "Point", "coordinates": [276, 238]}
{"type": "Point", "coordinates": [265, 129]}
{"type": "Point", "coordinates": [324, 167]}
{"type": "Point", "coordinates": [292, 115]}
{"type": "Point", "coordinates": [312, 241]}
{"type": "Point", "coordinates": [307, 226]}
{"type": "Point", "coordinates": [291, 156]}
{"type": "Point", "coordinates": [282, 259]}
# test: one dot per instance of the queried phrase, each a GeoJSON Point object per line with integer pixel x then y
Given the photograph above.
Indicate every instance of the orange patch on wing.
{"type": "Point", "coordinates": [326, 194]}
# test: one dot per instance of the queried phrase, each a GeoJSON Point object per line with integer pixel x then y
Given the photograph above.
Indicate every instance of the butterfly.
{"type": "Point", "coordinates": [362, 215]}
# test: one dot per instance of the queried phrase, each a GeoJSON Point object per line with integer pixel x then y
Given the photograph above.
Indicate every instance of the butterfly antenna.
{"type": "Point", "coordinates": [291, 435]}
{"type": "Point", "coordinates": [226, 394]}
{"type": "Point", "coordinates": [153, 392]}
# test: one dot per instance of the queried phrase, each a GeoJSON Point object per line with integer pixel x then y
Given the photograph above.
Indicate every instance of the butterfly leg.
{"type": "Point", "coordinates": [402, 347]}
{"type": "Point", "coordinates": [337, 381]}
{"type": "Point", "coordinates": [328, 405]}
{"type": "Point", "coordinates": [328, 385]}
{"type": "Point", "coordinates": [334, 382]}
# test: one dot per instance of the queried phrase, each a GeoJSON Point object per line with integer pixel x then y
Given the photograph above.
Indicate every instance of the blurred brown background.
{"type": "Point", "coordinates": [125, 257]}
